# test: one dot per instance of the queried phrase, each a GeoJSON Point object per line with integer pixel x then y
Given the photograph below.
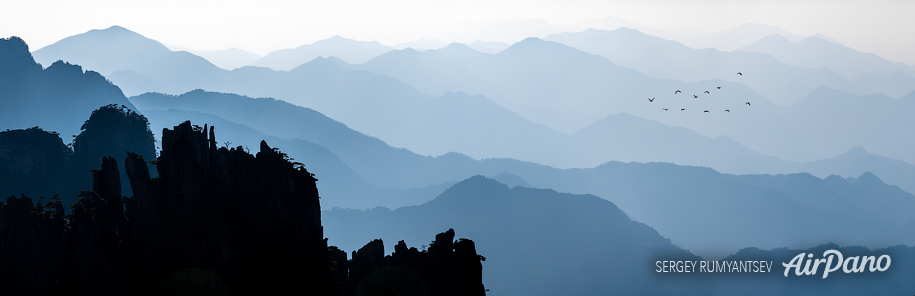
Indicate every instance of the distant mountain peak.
{"type": "Point", "coordinates": [15, 55]}
{"type": "Point", "coordinates": [117, 28]}
{"type": "Point", "coordinates": [869, 179]}
{"type": "Point", "coordinates": [857, 151]}
{"type": "Point", "coordinates": [458, 49]}
{"type": "Point", "coordinates": [115, 31]}
{"type": "Point", "coordinates": [774, 38]}
{"type": "Point", "coordinates": [456, 46]}
{"type": "Point", "coordinates": [471, 195]}
{"type": "Point", "coordinates": [14, 40]}
{"type": "Point", "coordinates": [479, 185]}
{"type": "Point", "coordinates": [13, 46]}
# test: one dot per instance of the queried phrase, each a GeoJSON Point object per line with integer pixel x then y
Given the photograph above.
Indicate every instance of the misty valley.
{"type": "Point", "coordinates": [582, 163]}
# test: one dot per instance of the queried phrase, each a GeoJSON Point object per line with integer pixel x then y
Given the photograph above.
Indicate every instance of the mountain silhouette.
{"type": "Point", "coordinates": [628, 138]}
{"type": "Point", "coordinates": [670, 59]}
{"type": "Point", "coordinates": [491, 47]}
{"type": "Point", "coordinates": [58, 98]}
{"type": "Point", "coordinates": [420, 45]}
{"type": "Point", "coordinates": [571, 93]}
{"type": "Point", "coordinates": [228, 59]}
{"type": "Point", "coordinates": [535, 241]}
{"type": "Point", "coordinates": [739, 37]}
{"type": "Point", "coordinates": [36, 163]}
{"type": "Point", "coordinates": [620, 137]}
{"type": "Point", "coordinates": [386, 106]}
{"type": "Point", "coordinates": [341, 186]}
{"type": "Point", "coordinates": [858, 161]}
{"type": "Point", "coordinates": [759, 212]}
{"type": "Point", "coordinates": [351, 51]}
{"type": "Point", "coordinates": [118, 53]}
{"type": "Point", "coordinates": [814, 52]}
{"type": "Point", "coordinates": [215, 221]}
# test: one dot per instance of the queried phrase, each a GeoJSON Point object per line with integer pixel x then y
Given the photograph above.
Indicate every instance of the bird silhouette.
{"type": "Point", "coordinates": [695, 96]}
{"type": "Point", "coordinates": [706, 111]}
{"type": "Point", "coordinates": [748, 103]}
{"type": "Point", "coordinates": [678, 91]}
{"type": "Point", "coordinates": [719, 87]}
{"type": "Point", "coordinates": [665, 109]}
{"type": "Point", "coordinates": [707, 92]}
{"type": "Point", "coordinates": [651, 100]}
{"type": "Point", "coordinates": [738, 73]}
{"type": "Point", "coordinates": [726, 110]}
{"type": "Point", "coordinates": [681, 109]}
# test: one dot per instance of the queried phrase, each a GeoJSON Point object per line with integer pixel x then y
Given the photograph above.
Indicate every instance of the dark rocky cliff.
{"type": "Point", "coordinates": [215, 221]}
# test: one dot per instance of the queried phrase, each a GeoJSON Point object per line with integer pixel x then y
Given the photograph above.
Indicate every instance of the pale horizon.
{"type": "Point", "coordinates": [876, 27]}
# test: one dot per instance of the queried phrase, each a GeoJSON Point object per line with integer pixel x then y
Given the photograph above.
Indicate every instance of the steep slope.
{"type": "Point", "coordinates": [380, 164]}
{"type": "Point", "coordinates": [121, 54]}
{"type": "Point", "coordinates": [340, 185]}
{"type": "Point", "coordinates": [36, 163]}
{"type": "Point", "coordinates": [59, 98]}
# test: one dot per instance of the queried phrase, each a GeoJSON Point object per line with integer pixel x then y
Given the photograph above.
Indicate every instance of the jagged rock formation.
{"type": "Point", "coordinates": [111, 131]}
{"type": "Point", "coordinates": [216, 221]}
{"type": "Point", "coordinates": [34, 162]}
{"type": "Point", "coordinates": [448, 268]}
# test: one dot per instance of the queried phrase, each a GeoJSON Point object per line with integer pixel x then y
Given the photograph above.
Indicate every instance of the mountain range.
{"type": "Point", "coordinates": [590, 230]}
{"type": "Point", "coordinates": [535, 241]}
{"type": "Point", "coordinates": [58, 98]}
{"type": "Point", "coordinates": [566, 95]}
{"type": "Point", "coordinates": [815, 52]}
{"type": "Point", "coordinates": [351, 51]}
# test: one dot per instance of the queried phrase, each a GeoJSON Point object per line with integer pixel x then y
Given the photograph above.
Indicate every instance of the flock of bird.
{"type": "Point", "coordinates": [651, 100]}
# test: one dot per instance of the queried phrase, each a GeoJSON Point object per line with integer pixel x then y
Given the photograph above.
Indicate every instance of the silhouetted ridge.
{"type": "Point", "coordinates": [37, 163]}
{"type": "Point", "coordinates": [448, 267]}
{"type": "Point", "coordinates": [58, 98]}
{"type": "Point", "coordinates": [477, 191]}
{"type": "Point", "coordinates": [15, 55]}
{"type": "Point", "coordinates": [216, 220]}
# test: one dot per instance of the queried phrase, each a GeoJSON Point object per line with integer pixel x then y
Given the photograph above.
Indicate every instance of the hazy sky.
{"type": "Point", "coordinates": [884, 27]}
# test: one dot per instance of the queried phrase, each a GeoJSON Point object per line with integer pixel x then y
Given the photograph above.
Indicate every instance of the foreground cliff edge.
{"type": "Point", "coordinates": [218, 221]}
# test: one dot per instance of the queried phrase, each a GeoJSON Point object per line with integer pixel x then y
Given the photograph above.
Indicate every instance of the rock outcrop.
{"type": "Point", "coordinates": [216, 220]}
{"type": "Point", "coordinates": [447, 268]}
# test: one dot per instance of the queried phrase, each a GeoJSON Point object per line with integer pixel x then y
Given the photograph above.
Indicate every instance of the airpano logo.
{"type": "Point", "coordinates": [833, 260]}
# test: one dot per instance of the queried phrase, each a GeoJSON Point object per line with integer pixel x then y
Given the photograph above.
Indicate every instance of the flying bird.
{"type": "Point", "coordinates": [695, 96]}
{"type": "Point", "coordinates": [748, 103]}
{"type": "Point", "coordinates": [707, 92]}
{"type": "Point", "coordinates": [681, 109]}
{"type": "Point", "coordinates": [665, 109]}
{"type": "Point", "coordinates": [719, 87]}
{"type": "Point", "coordinates": [676, 92]}
{"type": "Point", "coordinates": [706, 111]}
{"type": "Point", "coordinates": [651, 100]}
{"type": "Point", "coordinates": [738, 73]}
{"type": "Point", "coordinates": [726, 110]}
